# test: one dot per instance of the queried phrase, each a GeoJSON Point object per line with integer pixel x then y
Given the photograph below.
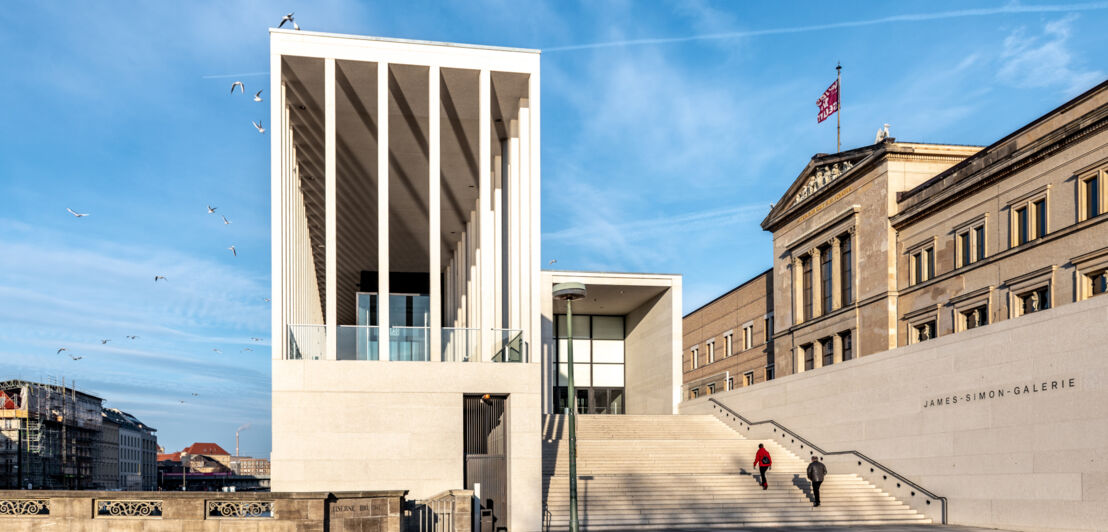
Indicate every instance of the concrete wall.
{"type": "Point", "coordinates": [300, 512]}
{"type": "Point", "coordinates": [651, 387]}
{"type": "Point", "coordinates": [1032, 459]}
{"type": "Point", "coordinates": [367, 425]}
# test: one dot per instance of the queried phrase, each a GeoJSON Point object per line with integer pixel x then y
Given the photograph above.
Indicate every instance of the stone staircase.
{"type": "Point", "coordinates": [692, 472]}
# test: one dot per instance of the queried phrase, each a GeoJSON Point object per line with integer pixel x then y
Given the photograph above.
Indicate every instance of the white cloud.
{"type": "Point", "coordinates": [1045, 60]}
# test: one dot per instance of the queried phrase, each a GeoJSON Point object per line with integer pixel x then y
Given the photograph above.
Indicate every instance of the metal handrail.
{"type": "Point", "coordinates": [873, 462]}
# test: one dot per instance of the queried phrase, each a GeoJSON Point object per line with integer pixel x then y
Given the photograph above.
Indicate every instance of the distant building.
{"type": "Point", "coordinates": [137, 451]}
{"type": "Point", "coordinates": [208, 458]}
{"type": "Point", "coordinates": [250, 467]}
{"type": "Point", "coordinates": [48, 434]}
{"type": "Point", "coordinates": [106, 455]}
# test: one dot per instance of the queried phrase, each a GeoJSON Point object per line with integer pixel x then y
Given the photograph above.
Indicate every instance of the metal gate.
{"type": "Point", "coordinates": [486, 442]}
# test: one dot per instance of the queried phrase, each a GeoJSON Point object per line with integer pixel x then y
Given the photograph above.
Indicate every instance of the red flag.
{"type": "Point", "coordinates": [829, 102]}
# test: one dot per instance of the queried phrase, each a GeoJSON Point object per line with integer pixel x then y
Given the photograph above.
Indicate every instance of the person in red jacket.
{"type": "Point", "coordinates": [763, 462]}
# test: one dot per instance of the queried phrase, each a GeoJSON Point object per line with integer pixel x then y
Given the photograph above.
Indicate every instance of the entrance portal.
{"type": "Point", "coordinates": [486, 433]}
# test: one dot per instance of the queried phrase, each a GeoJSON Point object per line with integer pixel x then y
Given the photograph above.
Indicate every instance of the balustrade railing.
{"type": "Point", "coordinates": [362, 342]}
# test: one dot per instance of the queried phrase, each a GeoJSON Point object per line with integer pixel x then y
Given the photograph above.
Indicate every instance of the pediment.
{"type": "Point", "coordinates": [822, 171]}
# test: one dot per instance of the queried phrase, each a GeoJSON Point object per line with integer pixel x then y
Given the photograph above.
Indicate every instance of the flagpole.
{"type": "Point", "coordinates": [839, 112]}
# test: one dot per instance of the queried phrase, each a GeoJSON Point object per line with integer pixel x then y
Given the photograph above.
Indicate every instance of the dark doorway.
{"type": "Point", "coordinates": [486, 444]}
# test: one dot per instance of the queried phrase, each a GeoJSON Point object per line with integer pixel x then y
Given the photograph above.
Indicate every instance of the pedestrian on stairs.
{"type": "Point", "coordinates": [763, 462]}
{"type": "Point", "coordinates": [816, 472]}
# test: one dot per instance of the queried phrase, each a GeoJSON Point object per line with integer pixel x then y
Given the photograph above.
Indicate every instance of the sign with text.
{"type": "Point", "coordinates": [829, 102]}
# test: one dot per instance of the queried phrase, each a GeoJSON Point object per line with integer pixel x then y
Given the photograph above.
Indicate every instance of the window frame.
{"type": "Point", "coordinates": [1084, 201]}
{"type": "Point", "coordinates": [695, 351]}
{"type": "Point", "coordinates": [974, 299]}
{"type": "Point", "coordinates": [846, 339]}
{"type": "Point", "coordinates": [826, 280]}
{"type": "Point", "coordinates": [1022, 286]}
{"type": "Point", "coordinates": [846, 269]}
{"type": "Point", "coordinates": [827, 348]}
{"type": "Point", "coordinates": [1037, 223]}
{"type": "Point", "coordinates": [976, 242]}
{"type": "Point", "coordinates": [711, 349]}
{"type": "Point", "coordinates": [925, 315]}
{"type": "Point", "coordinates": [748, 335]}
{"type": "Point", "coordinates": [748, 378]}
{"type": "Point", "coordinates": [805, 350]}
{"type": "Point", "coordinates": [1087, 266]}
{"type": "Point", "coordinates": [807, 295]}
{"type": "Point", "coordinates": [729, 343]}
{"type": "Point", "coordinates": [921, 261]}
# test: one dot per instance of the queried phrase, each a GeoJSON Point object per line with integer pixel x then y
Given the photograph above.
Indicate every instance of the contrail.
{"type": "Point", "coordinates": [851, 24]}
{"type": "Point", "coordinates": [243, 75]}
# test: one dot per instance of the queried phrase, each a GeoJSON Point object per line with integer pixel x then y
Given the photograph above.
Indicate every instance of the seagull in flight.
{"type": "Point", "coordinates": [235, 253]}
{"type": "Point", "coordinates": [76, 214]}
{"type": "Point", "coordinates": [258, 96]}
{"type": "Point", "coordinates": [552, 261]}
{"type": "Point", "coordinates": [225, 220]}
{"type": "Point", "coordinates": [242, 88]}
{"type": "Point", "coordinates": [217, 350]}
{"type": "Point", "coordinates": [247, 349]}
{"type": "Point", "coordinates": [104, 342]}
{"type": "Point", "coordinates": [255, 339]}
{"type": "Point", "coordinates": [258, 127]}
{"type": "Point", "coordinates": [194, 394]}
{"type": "Point", "coordinates": [182, 401]}
{"type": "Point", "coordinates": [75, 357]}
{"type": "Point", "coordinates": [162, 277]}
{"type": "Point", "coordinates": [131, 336]}
{"type": "Point", "coordinates": [288, 18]}
{"type": "Point", "coordinates": [211, 210]}
{"type": "Point", "coordinates": [60, 349]}
{"type": "Point", "coordinates": [267, 300]}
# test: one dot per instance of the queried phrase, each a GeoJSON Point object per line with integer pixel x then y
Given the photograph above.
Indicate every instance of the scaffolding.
{"type": "Point", "coordinates": [54, 428]}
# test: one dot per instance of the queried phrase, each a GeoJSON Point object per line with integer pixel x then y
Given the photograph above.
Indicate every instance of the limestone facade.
{"type": "Point", "coordinates": [896, 243]}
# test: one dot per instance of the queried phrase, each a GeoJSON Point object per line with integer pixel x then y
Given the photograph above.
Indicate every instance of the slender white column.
{"type": "Point", "coordinates": [484, 211]}
{"type": "Point", "coordinates": [525, 215]}
{"type": "Point", "coordinates": [383, 209]}
{"type": "Point", "coordinates": [515, 295]}
{"type": "Point", "coordinates": [330, 208]}
{"type": "Point", "coordinates": [497, 256]}
{"type": "Point", "coordinates": [277, 272]}
{"type": "Point", "coordinates": [434, 245]}
{"type": "Point", "coordinates": [536, 230]}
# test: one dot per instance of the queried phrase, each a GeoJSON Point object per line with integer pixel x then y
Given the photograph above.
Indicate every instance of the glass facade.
{"type": "Point", "coordinates": [598, 363]}
{"type": "Point", "coordinates": [409, 330]}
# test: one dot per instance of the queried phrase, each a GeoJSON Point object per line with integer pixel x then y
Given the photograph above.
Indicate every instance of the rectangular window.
{"type": "Point", "coordinates": [846, 271]}
{"type": "Point", "coordinates": [711, 389]}
{"type": "Point", "coordinates": [769, 328]}
{"type": "Point", "coordinates": [848, 345]}
{"type": "Point", "coordinates": [694, 393]}
{"type": "Point", "coordinates": [1023, 226]}
{"type": "Point", "coordinates": [806, 263]}
{"type": "Point", "coordinates": [748, 337]}
{"type": "Point", "coordinates": [1040, 218]}
{"type": "Point", "coordinates": [827, 345]}
{"type": "Point", "coordinates": [1091, 191]}
{"type": "Point", "coordinates": [923, 265]}
{"type": "Point", "coordinates": [695, 358]}
{"type": "Point", "coordinates": [825, 279]}
{"type": "Point", "coordinates": [1099, 282]}
{"type": "Point", "coordinates": [769, 372]}
{"type": "Point", "coordinates": [924, 331]}
{"type": "Point", "coordinates": [730, 383]}
{"type": "Point", "coordinates": [711, 352]}
{"type": "Point", "coordinates": [979, 241]}
{"type": "Point", "coordinates": [1035, 300]}
{"type": "Point", "coordinates": [748, 378]}
{"type": "Point", "coordinates": [809, 357]}
{"type": "Point", "coordinates": [964, 249]}
{"type": "Point", "coordinates": [727, 340]}
{"type": "Point", "coordinates": [975, 317]}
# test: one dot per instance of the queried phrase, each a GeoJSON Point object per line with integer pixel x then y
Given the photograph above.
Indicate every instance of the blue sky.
{"type": "Point", "coordinates": [668, 129]}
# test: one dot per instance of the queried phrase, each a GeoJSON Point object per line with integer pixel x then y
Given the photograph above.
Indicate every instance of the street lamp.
{"type": "Point", "coordinates": [184, 471]}
{"type": "Point", "coordinates": [570, 292]}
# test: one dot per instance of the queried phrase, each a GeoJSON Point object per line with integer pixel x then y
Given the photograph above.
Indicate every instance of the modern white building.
{"type": "Point", "coordinates": [407, 172]}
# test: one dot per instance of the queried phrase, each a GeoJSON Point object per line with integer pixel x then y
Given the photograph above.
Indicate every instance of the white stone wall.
{"type": "Point", "coordinates": [343, 425]}
{"type": "Point", "coordinates": [1032, 460]}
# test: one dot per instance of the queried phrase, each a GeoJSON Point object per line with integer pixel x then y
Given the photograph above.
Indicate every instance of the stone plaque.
{"type": "Point", "coordinates": [354, 508]}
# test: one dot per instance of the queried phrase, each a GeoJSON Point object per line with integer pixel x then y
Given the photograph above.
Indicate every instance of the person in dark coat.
{"type": "Point", "coordinates": [816, 472]}
{"type": "Point", "coordinates": [763, 462]}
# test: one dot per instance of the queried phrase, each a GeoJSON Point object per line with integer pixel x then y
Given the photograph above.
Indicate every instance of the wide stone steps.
{"type": "Point", "coordinates": [693, 472]}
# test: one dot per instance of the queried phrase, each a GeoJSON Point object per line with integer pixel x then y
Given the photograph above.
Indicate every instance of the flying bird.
{"type": "Point", "coordinates": [267, 300]}
{"type": "Point", "coordinates": [247, 349]}
{"type": "Point", "coordinates": [211, 210]}
{"type": "Point", "coordinates": [75, 357]}
{"type": "Point", "coordinates": [60, 349]}
{"type": "Point", "coordinates": [255, 339]}
{"type": "Point", "coordinates": [235, 253]}
{"type": "Point", "coordinates": [242, 88]}
{"type": "Point", "coordinates": [162, 277]}
{"type": "Point", "coordinates": [288, 18]}
{"type": "Point", "coordinates": [258, 127]}
{"type": "Point", "coordinates": [258, 96]}
{"type": "Point", "coordinates": [104, 342]}
{"type": "Point", "coordinates": [131, 336]}
{"type": "Point", "coordinates": [76, 214]}
{"type": "Point", "coordinates": [225, 220]}
{"type": "Point", "coordinates": [194, 394]}
{"type": "Point", "coordinates": [182, 401]}
{"type": "Point", "coordinates": [216, 350]}
{"type": "Point", "coordinates": [552, 261]}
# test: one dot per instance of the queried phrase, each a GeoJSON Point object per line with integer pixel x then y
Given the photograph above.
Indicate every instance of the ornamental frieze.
{"type": "Point", "coordinates": [820, 178]}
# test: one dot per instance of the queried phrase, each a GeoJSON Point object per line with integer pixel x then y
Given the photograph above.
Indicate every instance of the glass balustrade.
{"type": "Point", "coordinates": [362, 342]}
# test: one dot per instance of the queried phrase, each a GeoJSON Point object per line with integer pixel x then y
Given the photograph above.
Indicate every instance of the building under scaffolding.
{"type": "Point", "coordinates": [47, 435]}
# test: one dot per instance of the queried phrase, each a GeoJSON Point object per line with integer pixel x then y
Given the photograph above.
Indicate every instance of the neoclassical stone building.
{"type": "Point", "coordinates": [899, 242]}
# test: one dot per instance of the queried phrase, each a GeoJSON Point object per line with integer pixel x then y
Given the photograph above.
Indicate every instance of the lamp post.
{"type": "Point", "coordinates": [570, 292]}
{"type": "Point", "coordinates": [185, 471]}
